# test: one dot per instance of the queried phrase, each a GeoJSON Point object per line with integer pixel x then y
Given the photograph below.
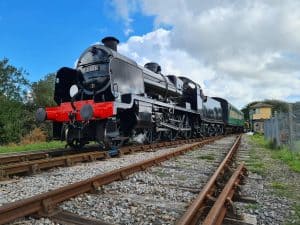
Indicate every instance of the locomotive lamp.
{"type": "Point", "coordinates": [73, 90]}
{"type": "Point", "coordinates": [86, 112]}
{"type": "Point", "coordinates": [41, 115]}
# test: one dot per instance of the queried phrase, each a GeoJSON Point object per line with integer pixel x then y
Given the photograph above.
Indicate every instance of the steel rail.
{"type": "Point", "coordinates": [7, 158]}
{"type": "Point", "coordinates": [192, 214]}
{"type": "Point", "coordinates": [29, 167]}
{"type": "Point", "coordinates": [13, 158]}
{"type": "Point", "coordinates": [45, 203]}
{"type": "Point", "coordinates": [42, 164]}
{"type": "Point", "coordinates": [218, 211]}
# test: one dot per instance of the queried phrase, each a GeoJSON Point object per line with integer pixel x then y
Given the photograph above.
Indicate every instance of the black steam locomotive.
{"type": "Point", "coordinates": [110, 99]}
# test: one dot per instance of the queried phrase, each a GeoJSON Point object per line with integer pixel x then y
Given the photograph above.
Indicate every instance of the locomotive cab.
{"type": "Point", "coordinates": [192, 93]}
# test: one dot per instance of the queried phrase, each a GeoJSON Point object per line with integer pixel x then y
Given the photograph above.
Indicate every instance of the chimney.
{"type": "Point", "coordinates": [111, 42]}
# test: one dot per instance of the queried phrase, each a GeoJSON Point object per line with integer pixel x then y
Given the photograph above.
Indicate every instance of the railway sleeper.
{"type": "Point", "coordinates": [3, 175]}
{"type": "Point", "coordinates": [34, 169]}
{"type": "Point", "coordinates": [64, 217]}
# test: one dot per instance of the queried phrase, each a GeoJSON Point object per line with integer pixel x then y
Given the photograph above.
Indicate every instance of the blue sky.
{"type": "Point", "coordinates": [42, 36]}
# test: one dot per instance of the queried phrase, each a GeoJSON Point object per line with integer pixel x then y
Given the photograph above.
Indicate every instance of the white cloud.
{"type": "Point", "coordinates": [155, 46]}
{"type": "Point", "coordinates": [124, 9]}
{"type": "Point", "coordinates": [241, 50]}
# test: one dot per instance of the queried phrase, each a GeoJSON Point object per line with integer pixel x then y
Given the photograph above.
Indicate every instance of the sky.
{"type": "Point", "coordinates": [241, 50]}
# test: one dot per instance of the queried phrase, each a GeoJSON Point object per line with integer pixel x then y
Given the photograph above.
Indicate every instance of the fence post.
{"type": "Point", "coordinates": [291, 130]}
{"type": "Point", "coordinates": [277, 135]}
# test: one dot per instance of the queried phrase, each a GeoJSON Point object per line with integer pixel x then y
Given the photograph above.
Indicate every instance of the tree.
{"type": "Point", "coordinates": [11, 120]}
{"type": "Point", "coordinates": [246, 109]}
{"type": "Point", "coordinates": [13, 83]}
{"type": "Point", "coordinates": [277, 106]}
{"type": "Point", "coordinates": [43, 91]}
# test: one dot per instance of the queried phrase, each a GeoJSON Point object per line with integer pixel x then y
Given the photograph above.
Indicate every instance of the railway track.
{"type": "Point", "coordinates": [7, 158]}
{"type": "Point", "coordinates": [210, 191]}
{"type": "Point", "coordinates": [33, 162]}
{"type": "Point", "coordinates": [46, 204]}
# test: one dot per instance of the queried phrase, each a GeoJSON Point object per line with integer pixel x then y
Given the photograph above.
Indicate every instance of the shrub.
{"type": "Point", "coordinates": [36, 135]}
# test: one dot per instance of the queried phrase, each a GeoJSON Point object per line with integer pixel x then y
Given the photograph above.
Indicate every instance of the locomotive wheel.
{"type": "Point", "coordinates": [157, 136]}
{"type": "Point", "coordinates": [187, 134]}
{"type": "Point", "coordinates": [171, 135]}
{"type": "Point", "coordinates": [149, 136]}
{"type": "Point", "coordinates": [210, 131]}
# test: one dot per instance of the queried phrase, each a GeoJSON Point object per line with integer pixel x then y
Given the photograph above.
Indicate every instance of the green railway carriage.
{"type": "Point", "coordinates": [232, 117]}
{"type": "Point", "coordinates": [236, 117]}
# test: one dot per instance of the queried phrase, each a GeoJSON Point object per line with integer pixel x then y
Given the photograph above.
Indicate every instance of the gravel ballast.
{"type": "Point", "coordinates": [28, 186]}
{"type": "Point", "coordinates": [159, 195]}
{"type": "Point", "coordinates": [275, 187]}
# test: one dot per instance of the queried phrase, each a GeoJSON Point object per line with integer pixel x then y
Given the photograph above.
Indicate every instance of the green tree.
{"type": "Point", "coordinates": [13, 83]}
{"type": "Point", "coordinates": [13, 86]}
{"type": "Point", "coordinates": [277, 106]}
{"type": "Point", "coordinates": [246, 109]}
{"type": "Point", "coordinates": [11, 120]}
{"type": "Point", "coordinates": [43, 91]}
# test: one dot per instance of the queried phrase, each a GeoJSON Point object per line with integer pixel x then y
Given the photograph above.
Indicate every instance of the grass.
{"type": "Point", "coordinates": [282, 189]}
{"type": "Point", "coordinates": [253, 206]}
{"type": "Point", "coordinates": [256, 167]}
{"type": "Point", "coordinates": [181, 177]}
{"type": "Point", "coordinates": [209, 157]}
{"type": "Point", "coordinates": [255, 164]}
{"type": "Point", "coordinates": [295, 218]}
{"type": "Point", "coordinates": [291, 158]}
{"type": "Point", "coordinates": [288, 157]}
{"type": "Point", "coordinates": [161, 174]}
{"type": "Point", "coordinates": [31, 147]}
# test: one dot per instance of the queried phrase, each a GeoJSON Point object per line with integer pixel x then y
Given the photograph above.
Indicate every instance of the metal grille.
{"type": "Point", "coordinates": [284, 128]}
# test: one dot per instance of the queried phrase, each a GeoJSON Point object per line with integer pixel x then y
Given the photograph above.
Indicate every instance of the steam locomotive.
{"type": "Point", "coordinates": [110, 99]}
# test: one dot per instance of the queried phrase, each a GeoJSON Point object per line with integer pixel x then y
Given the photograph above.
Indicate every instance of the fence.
{"type": "Point", "coordinates": [284, 128]}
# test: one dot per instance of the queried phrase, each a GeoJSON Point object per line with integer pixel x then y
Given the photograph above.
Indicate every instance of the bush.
{"type": "Point", "coordinates": [11, 120]}
{"type": "Point", "coordinates": [36, 135]}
